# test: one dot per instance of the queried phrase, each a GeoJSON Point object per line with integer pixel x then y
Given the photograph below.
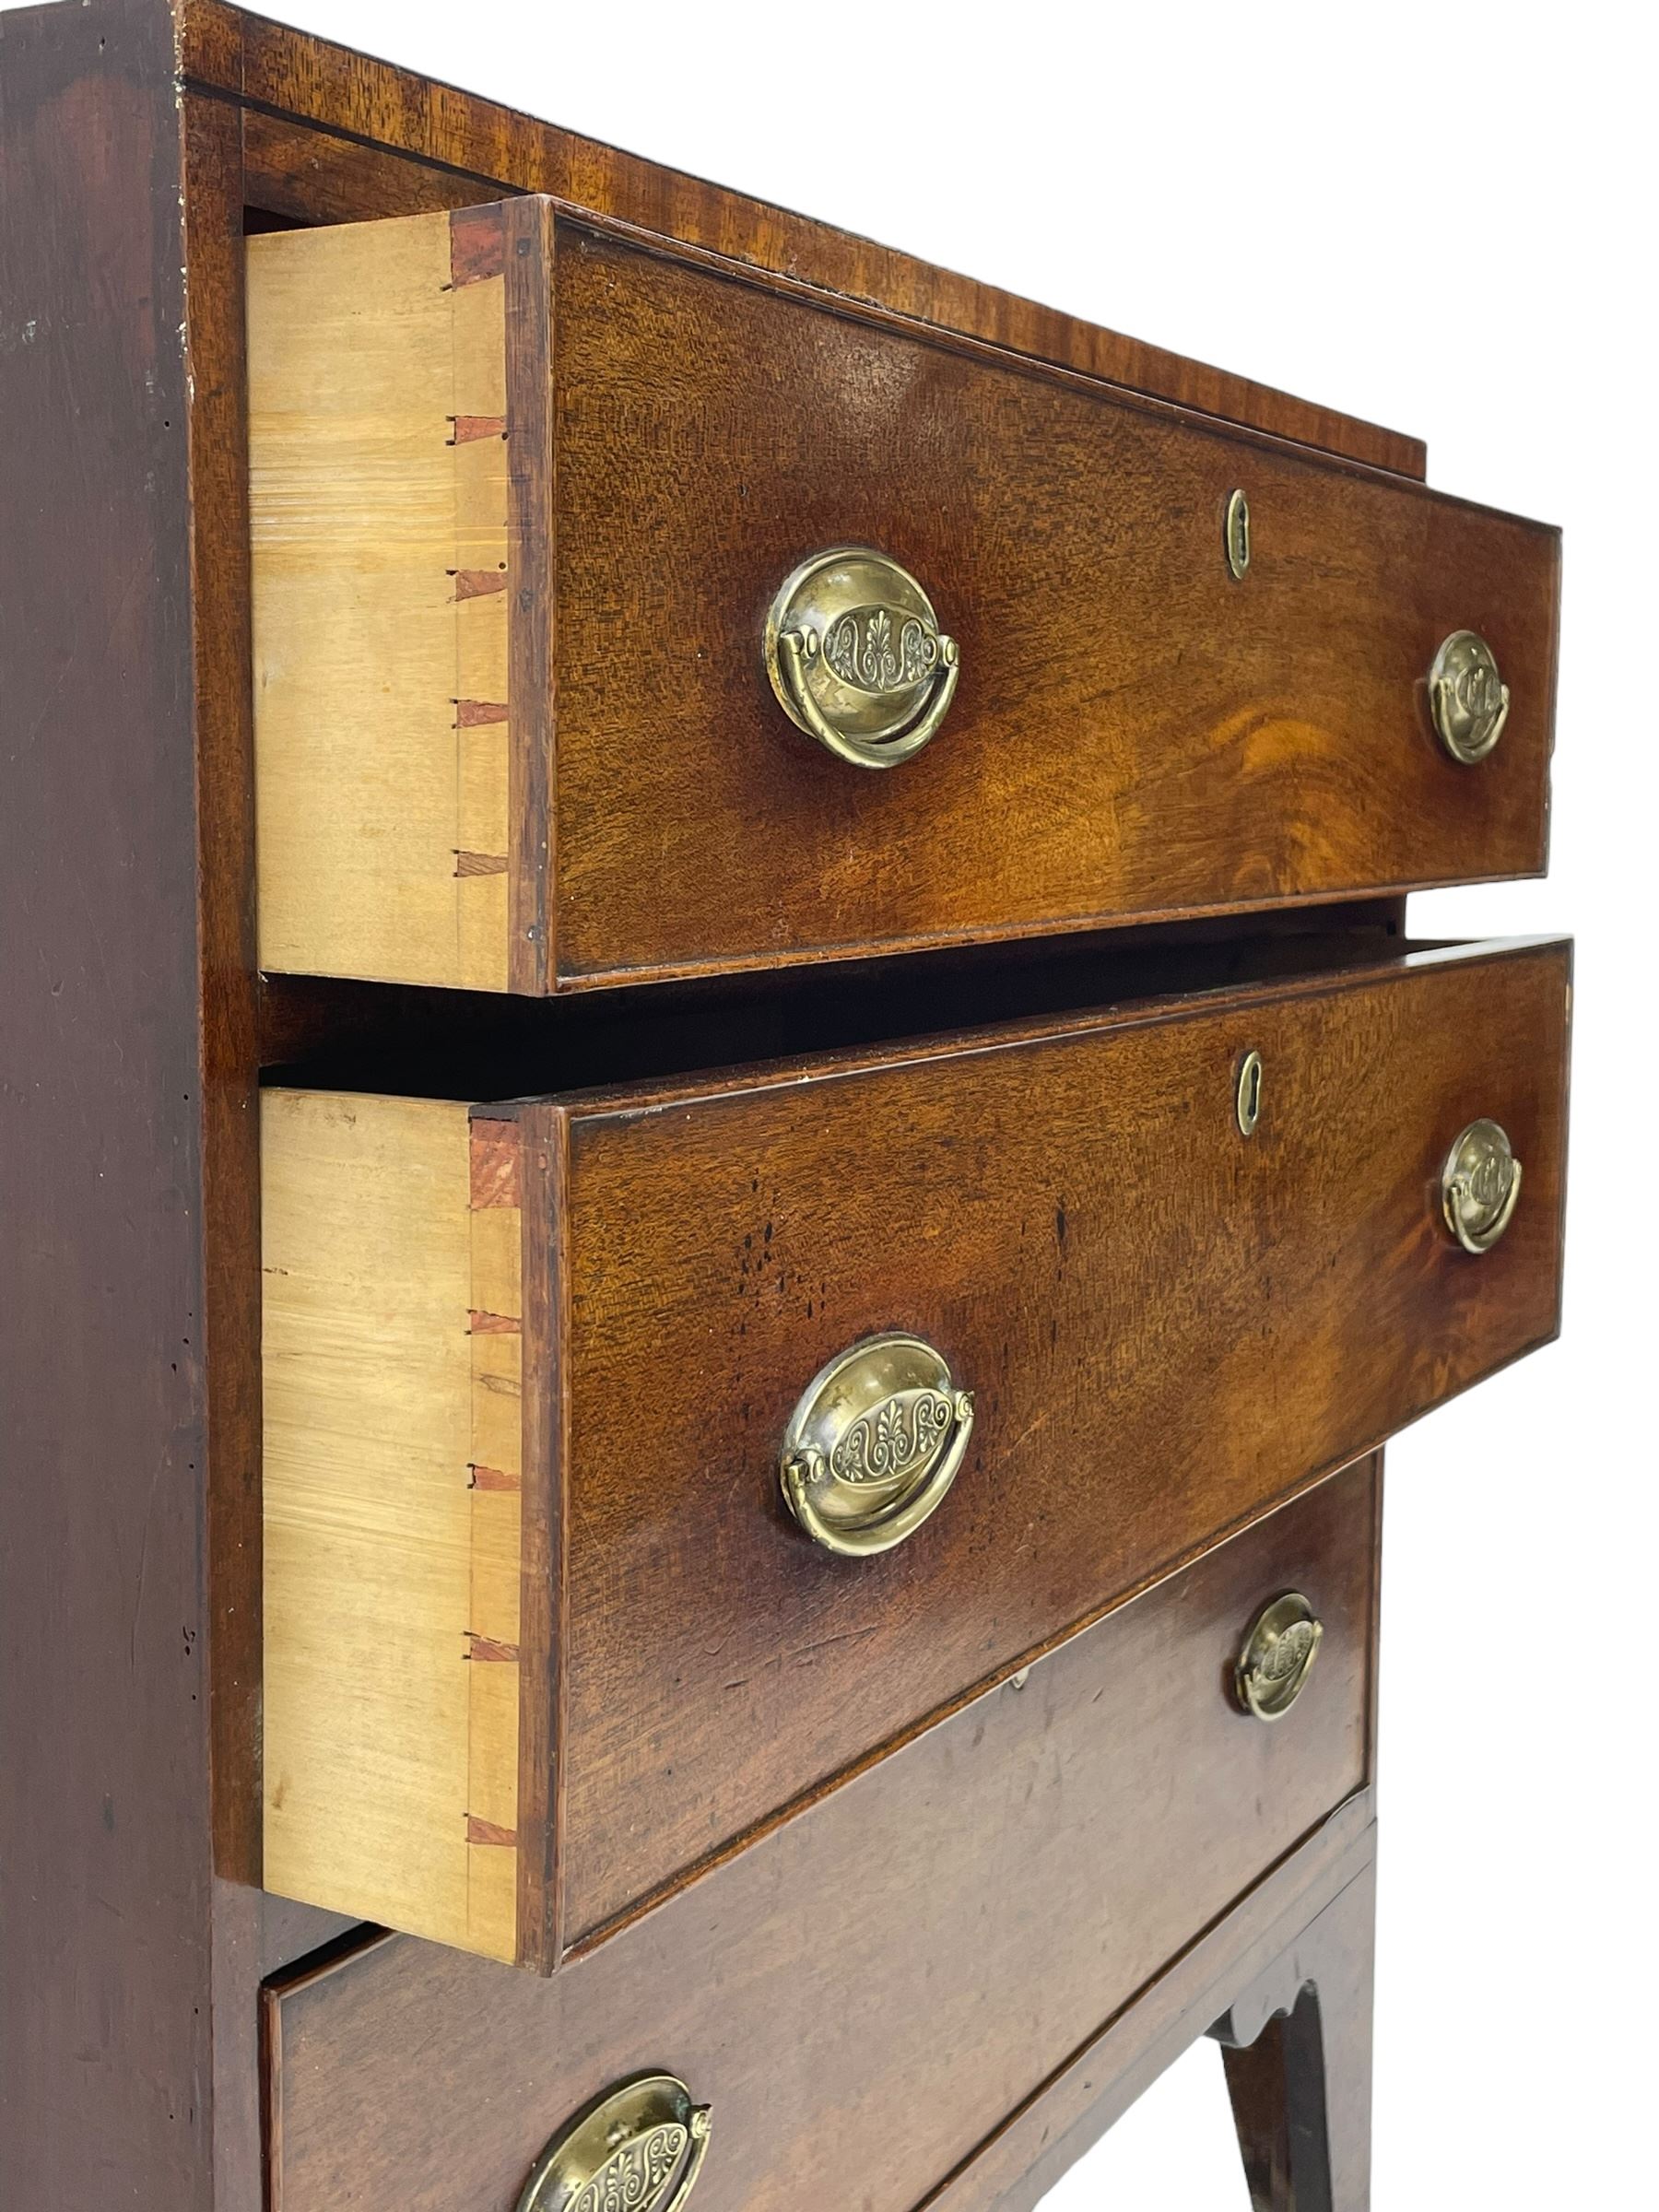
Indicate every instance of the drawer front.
{"type": "Point", "coordinates": [862, 1997]}
{"type": "Point", "coordinates": [553, 1417]}
{"type": "Point", "coordinates": [512, 577]}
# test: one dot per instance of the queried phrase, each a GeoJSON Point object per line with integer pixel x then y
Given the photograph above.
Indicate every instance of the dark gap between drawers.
{"type": "Point", "coordinates": [337, 1034]}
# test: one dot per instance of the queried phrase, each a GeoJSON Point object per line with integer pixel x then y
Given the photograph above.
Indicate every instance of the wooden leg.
{"type": "Point", "coordinates": [1297, 2047]}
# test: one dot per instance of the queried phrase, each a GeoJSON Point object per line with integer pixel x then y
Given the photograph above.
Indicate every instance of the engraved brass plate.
{"type": "Point", "coordinates": [637, 2148]}
{"type": "Point", "coordinates": [1278, 1656]}
{"type": "Point", "coordinates": [857, 659]}
{"type": "Point", "coordinates": [1480, 1185]}
{"type": "Point", "coordinates": [1467, 697]}
{"type": "Point", "coordinates": [875, 1441]}
{"type": "Point", "coordinates": [1236, 535]}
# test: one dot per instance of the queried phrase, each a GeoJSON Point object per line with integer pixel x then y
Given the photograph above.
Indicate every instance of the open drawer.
{"type": "Point", "coordinates": [591, 580]}
{"type": "Point", "coordinates": [639, 1463]}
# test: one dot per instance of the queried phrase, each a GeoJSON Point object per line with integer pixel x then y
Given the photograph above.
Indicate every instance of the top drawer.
{"type": "Point", "coordinates": [524, 496]}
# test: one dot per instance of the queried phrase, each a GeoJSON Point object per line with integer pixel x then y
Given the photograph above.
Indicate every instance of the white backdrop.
{"type": "Point", "coordinates": [1440, 217]}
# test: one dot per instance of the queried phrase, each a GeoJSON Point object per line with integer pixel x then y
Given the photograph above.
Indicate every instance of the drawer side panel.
{"type": "Point", "coordinates": [391, 1359]}
{"type": "Point", "coordinates": [379, 511]}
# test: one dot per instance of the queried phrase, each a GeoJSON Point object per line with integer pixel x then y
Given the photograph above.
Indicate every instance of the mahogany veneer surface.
{"type": "Point", "coordinates": [866, 1995]}
{"type": "Point", "coordinates": [140, 139]}
{"type": "Point", "coordinates": [1165, 1324]}
{"type": "Point", "coordinates": [523, 492]}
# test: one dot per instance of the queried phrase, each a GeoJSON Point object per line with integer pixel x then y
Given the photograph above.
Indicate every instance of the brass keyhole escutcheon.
{"type": "Point", "coordinates": [875, 1441]}
{"type": "Point", "coordinates": [1278, 1657]}
{"type": "Point", "coordinates": [856, 657]}
{"type": "Point", "coordinates": [1467, 699]}
{"type": "Point", "coordinates": [641, 2145]}
{"type": "Point", "coordinates": [1236, 535]}
{"type": "Point", "coordinates": [1248, 1098]}
{"type": "Point", "coordinates": [1480, 1185]}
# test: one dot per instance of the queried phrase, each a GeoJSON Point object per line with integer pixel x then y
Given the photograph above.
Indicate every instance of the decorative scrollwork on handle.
{"type": "Point", "coordinates": [1278, 1657]}
{"type": "Point", "coordinates": [856, 657]}
{"type": "Point", "coordinates": [875, 1441]}
{"type": "Point", "coordinates": [637, 2148]}
{"type": "Point", "coordinates": [862, 649]}
{"type": "Point", "coordinates": [1468, 699]}
{"type": "Point", "coordinates": [903, 1431]}
{"type": "Point", "coordinates": [1480, 1185]}
{"type": "Point", "coordinates": [634, 2178]}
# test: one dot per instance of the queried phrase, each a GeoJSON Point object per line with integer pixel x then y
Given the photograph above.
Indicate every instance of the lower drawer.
{"type": "Point", "coordinates": [864, 1995]}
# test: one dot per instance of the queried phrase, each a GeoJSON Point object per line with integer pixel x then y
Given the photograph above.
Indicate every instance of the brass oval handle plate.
{"type": "Point", "coordinates": [857, 659]}
{"type": "Point", "coordinates": [1480, 1185]}
{"type": "Point", "coordinates": [875, 1441]}
{"type": "Point", "coordinates": [1278, 1657]}
{"type": "Point", "coordinates": [1468, 699]}
{"type": "Point", "coordinates": [639, 2146]}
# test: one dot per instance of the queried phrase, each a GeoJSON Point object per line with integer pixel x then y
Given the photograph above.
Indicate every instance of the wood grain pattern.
{"type": "Point", "coordinates": [1018, 2166]}
{"type": "Point", "coordinates": [1166, 1326]}
{"type": "Point", "coordinates": [216, 326]}
{"type": "Point", "coordinates": [381, 550]}
{"type": "Point", "coordinates": [872, 1991]}
{"type": "Point", "coordinates": [106, 1893]}
{"type": "Point", "coordinates": [358, 107]}
{"type": "Point", "coordinates": [1136, 736]}
{"type": "Point", "coordinates": [131, 2025]}
{"type": "Point", "coordinates": [392, 1576]}
{"type": "Point", "coordinates": [1297, 2046]}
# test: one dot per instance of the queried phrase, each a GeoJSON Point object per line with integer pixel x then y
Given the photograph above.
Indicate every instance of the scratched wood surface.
{"type": "Point", "coordinates": [1167, 1326]}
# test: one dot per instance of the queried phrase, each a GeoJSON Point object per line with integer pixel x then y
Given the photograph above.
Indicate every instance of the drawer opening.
{"type": "Point", "coordinates": [441, 1043]}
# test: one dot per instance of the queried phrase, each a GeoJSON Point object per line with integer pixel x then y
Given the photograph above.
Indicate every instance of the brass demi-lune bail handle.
{"type": "Point", "coordinates": [1480, 1185]}
{"type": "Point", "coordinates": [875, 1441]}
{"type": "Point", "coordinates": [641, 2145]}
{"type": "Point", "coordinates": [1278, 1657]}
{"type": "Point", "coordinates": [856, 657]}
{"type": "Point", "coordinates": [1470, 701]}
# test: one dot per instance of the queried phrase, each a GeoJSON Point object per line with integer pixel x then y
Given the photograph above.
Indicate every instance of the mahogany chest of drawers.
{"type": "Point", "coordinates": [724, 924]}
